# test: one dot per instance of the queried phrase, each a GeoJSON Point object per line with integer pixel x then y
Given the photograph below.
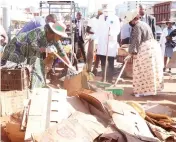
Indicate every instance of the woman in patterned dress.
{"type": "Point", "coordinates": [147, 57]}
{"type": "Point", "coordinates": [30, 46]}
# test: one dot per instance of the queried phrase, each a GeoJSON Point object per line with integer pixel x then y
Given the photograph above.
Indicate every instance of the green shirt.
{"type": "Point", "coordinates": [27, 46]}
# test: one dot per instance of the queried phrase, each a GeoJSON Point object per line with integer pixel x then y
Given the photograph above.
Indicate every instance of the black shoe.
{"type": "Point", "coordinates": [164, 70]}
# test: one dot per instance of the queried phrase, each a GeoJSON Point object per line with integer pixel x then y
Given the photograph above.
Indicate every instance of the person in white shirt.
{"type": "Point", "coordinates": [107, 32]}
{"type": "Point", "coordinates": [125, 34]}
{"type": "Point", "coordinates": [91, 30]}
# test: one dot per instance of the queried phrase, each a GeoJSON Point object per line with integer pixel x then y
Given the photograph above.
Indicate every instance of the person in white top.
{"type": "Point", "coordinates": [92, 31]}
{"type": "Point", "coordinates": [107, 32]}
{"type": "Point", "coordinates": [125, 34]}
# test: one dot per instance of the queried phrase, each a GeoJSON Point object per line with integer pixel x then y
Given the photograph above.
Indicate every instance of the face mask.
{"type": "Point", "coordinates": [132, 25]}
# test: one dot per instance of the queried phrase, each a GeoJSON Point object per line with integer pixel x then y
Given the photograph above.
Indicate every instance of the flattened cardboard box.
{"type": "Point", "coordinates": [12, 101]}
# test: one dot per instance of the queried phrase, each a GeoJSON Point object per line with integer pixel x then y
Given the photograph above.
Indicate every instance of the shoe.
{"type": "Point", "coordinates": [164, 70]}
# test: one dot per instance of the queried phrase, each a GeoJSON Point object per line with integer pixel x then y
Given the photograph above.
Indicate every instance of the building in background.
{"type": "Point", "coordinates": [132, 5]}
{"type": "Point", "coordinates": [165, 11]}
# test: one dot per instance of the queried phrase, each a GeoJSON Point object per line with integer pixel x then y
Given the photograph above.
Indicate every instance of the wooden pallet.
{"type": "Point", "coordinates": [43, 111]}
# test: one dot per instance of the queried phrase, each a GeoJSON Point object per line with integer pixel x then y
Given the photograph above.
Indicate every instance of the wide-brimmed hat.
{"type": "Point", "coordinates": [170, 21]}
{"type": "Point", "coordinates": [130, 15]}
{"type": "Point", "coordinates": [58, 28]}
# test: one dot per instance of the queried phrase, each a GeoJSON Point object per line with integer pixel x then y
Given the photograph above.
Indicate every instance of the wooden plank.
{"type": "Point", "coordinates": [43, 111]}
{"type": "Point", "coordinates": [38, 112]}
{"type": "Point", "coordinates": [58, 94]}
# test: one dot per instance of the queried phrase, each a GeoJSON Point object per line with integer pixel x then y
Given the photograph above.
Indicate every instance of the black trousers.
{"type": "Point", "coordinates": [110, 67]}
{"type": "Point", "coordinates": [80, 45]}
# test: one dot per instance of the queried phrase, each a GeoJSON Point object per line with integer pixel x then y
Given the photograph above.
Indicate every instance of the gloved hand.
{"type": "Point", "coordinates": [72, 68]}
{"type": "Point", "coordinates": [51, 49]}
{"type": "Point", "coordinates": [127, 58]}
{"type": "Point", "coordinates": [71, 71]}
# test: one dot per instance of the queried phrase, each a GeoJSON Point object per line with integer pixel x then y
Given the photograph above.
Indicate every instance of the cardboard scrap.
{"type": "Point", "coordinates": [79, 127]}
{"type": "Point", "coordinates": [48, 107]}
{"type": "Point", "coordinates": [158, 109]}
{"type": "Point", "coordinates": [12, 101]}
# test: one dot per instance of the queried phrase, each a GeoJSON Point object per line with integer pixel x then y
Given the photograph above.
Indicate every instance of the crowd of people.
{"type": "Point", "coordinates": [137, 29]}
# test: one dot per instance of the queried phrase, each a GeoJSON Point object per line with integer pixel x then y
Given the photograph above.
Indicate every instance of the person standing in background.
{"type": "Point", "coordinates": [80, 35]}
{"type": "Point", "coordinates": [107, 32]}
{"type": "Point", "coordinates": [147, 56]}
{"type": "Point", "coordinates": [149, 19]}
{"type": "Point", "coordinates": [166, 47]}
{"type": "Point", "coordinates": [92, 29]}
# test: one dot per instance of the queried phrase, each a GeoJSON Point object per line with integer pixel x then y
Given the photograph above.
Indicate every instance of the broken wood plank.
{"type": "Point", "coordinates": [25, 114]}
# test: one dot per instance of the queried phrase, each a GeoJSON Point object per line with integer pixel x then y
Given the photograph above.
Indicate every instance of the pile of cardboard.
{"type": "Point", "coordinates": [49, 115]}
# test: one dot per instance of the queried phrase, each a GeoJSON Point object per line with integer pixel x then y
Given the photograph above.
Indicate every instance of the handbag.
{"type": "Point", "coordinates": [170, 44]}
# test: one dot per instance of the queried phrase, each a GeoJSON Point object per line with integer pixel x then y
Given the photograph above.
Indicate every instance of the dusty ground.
{"type": "Point", "coordinates": [167, 97]}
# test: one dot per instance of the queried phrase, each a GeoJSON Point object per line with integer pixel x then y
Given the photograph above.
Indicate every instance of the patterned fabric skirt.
{"type": "Point", "coordinates": [148, 69]}
{"type": "Point", "coordinates": [38, 74]}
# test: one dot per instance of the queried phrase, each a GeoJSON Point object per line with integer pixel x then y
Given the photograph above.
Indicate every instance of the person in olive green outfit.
{"type": "Point", "coordinates": [31, 45]}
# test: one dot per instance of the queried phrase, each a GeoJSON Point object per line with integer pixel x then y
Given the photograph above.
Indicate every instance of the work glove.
{"type": "Point", "coordinates": [71, 71]}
